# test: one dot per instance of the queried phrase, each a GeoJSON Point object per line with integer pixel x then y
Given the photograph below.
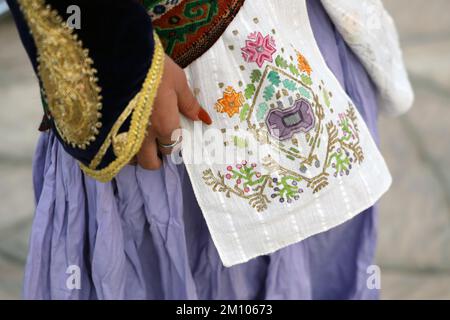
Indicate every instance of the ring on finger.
{"type": "Point", "coordinates": [171, 145]}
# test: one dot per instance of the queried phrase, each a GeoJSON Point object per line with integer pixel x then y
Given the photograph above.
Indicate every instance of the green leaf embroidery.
{"type": "Point", "coordinates": [306, 79]}
{"type": "Point", "coordinates": [326, 97]}
{"type": "Point", "coordinates": [269, 91]}
{"type": "Point", "coordinates": [290, 157]}
{"type": "Point", "coordinates": [262, 110]}
{"type": "Point", "coordinates": [274, 78]}
{"type": "Point", "coordinates": [289, 84]}
{"type": "Point", "coordinates": [250, 90]}
{"type": "Point", "coordinates": [240, 142]}
{"type": "Point", "coordinates": [256, 75]}
{"type": "Point", "coordinates": [244, 112]}
{"type": "Point", "coordinates": [304, 92]}
{"type": "Point", "coordinates": [281, 62]}
{"type": "Point", "coordinates": [294, 69]}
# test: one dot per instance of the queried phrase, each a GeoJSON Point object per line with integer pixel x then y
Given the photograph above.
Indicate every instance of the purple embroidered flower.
{"type": "Point", "coordinates": [284, 123]}
{"type": "Point", "coordinates": [259, 48]}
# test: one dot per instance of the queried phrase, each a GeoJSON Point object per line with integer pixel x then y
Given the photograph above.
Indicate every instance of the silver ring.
{"type": "Point", "coordinates": [171, 145]}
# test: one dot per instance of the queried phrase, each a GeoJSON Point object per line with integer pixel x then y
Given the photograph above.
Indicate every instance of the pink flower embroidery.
{"type": "Point", "coordinates": [259, 48]}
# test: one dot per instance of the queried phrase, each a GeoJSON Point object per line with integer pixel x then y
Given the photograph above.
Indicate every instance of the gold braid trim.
{"type": "Point", "coordinates": [67, 75]}
{"type": "Point", "coordinates": [126, 145]}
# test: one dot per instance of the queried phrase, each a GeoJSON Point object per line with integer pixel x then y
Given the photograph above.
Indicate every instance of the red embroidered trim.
{"type": "Point", "coordinates": [192, 27]}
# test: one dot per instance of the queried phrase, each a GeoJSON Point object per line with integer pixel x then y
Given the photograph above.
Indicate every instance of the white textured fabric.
{"type": "Point", "coordinates": [371, 33]}
{"type": "Point", "coordinates": [319, 169]}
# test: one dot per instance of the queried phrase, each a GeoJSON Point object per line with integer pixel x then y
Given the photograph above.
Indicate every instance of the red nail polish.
{"type": "Point", "coordinates": [204, 117]}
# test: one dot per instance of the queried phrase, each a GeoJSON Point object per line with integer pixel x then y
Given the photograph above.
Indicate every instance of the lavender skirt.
{"type": "Point", "coordinates": [142, 236]}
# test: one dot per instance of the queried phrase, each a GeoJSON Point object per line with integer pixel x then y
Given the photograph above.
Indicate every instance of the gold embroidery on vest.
{"type": "Point", "coordinates": [67, 75]}
{"type": "Point", "coordinates": [119, 143]}
{"type": "Point", "coordinates": [127, 144]}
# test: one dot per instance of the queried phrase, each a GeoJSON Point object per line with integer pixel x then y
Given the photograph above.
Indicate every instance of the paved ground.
{"type": "Point", "coordinates": [414, 239]}
{"type": "Point", "coordinates": [414, 246]}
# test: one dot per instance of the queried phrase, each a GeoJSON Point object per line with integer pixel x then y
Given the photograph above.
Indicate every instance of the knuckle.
{"type": "Point", "coordinates": [164, 130]}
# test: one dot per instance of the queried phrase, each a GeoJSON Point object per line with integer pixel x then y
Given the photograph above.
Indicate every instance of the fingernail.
{"type": "Point", "coordinates": [204, 117]}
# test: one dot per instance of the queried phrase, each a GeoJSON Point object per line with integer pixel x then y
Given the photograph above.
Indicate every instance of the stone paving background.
{"type": "Point", "coordinates": [414, 237]}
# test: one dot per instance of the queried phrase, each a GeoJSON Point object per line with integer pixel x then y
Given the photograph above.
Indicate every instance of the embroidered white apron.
{"type": "Point", "coordinates": [295, 156]}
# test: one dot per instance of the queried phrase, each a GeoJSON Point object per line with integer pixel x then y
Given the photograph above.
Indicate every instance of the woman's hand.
{"type": "Point", "coordinates": [174, 97]}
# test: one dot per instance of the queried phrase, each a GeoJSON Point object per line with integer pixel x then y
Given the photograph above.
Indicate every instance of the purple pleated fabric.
{"type": "Point", "coordinates": [142, 236]}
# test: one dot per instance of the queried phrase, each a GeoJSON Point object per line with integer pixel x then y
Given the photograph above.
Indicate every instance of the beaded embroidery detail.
{"type": "Point", "coordinates": [282, 107]}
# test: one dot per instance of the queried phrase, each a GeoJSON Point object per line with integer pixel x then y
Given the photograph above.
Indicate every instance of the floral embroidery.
{"type": "Point", "coordinates": [286, 188]}
{"type": "Point", "coordinates": [303, 64]}
{"type": "Point", "coordinates": [259, 48]}
{"type": "Point", "coordinates": [243, 180]}
{"type": "Point", "coordinates": [348, 151]}
{"type": "Point", "coordinates": [282, 107]}
{"type": "Point", "coordinates": [231, 102]}
{"type": "Point", "coordinates": [284, 123]}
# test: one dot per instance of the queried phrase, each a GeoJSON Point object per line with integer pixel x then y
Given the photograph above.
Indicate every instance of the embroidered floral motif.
{"type": "Point", "coordinates": [282, 107]}
{"type": "Point", "coordinates": [231, 102]}
{"type": "Point", "coordinates": [244, 176]}
{"type": "Point", "coordinates": [348, 151]}
{"type": "Point", "coordinates": [284, 123]}
{"type": "Point", "coordinates": [243, 180]}
{"type": "Point", "coordinates": [259, 48]}
{"type": "Point", "coordinates": [303, 64]}
{"type": "Point", "coordinates": [286, 188]}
